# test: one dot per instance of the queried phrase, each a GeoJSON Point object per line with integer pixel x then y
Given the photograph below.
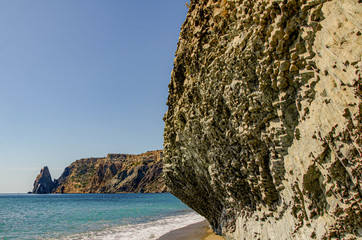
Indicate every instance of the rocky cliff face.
{"type": "Point", "coordinates": [263, 131]}
{"type": "Point", "coordinates": [43, 182]}
{"type": "Point", "coordinates": [113, 174]}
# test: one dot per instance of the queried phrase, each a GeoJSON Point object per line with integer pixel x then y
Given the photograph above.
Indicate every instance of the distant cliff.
{"type": "Point", "coordinates": [115, 173]}
{"type": "Point", "coordinates": [263, 130]}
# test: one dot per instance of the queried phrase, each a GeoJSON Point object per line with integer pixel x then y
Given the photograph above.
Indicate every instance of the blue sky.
{"type": "Point", "coordinates": [82, 79]}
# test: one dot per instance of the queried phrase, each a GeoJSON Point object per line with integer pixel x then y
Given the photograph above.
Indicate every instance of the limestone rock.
{"type": "Point", "coordinates": [43, 182]}
{"type": "Point", "coordinates": [263, 130]}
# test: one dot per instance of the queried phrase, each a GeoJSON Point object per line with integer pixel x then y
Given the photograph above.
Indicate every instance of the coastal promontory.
{"type": "Point", "coordinates": [263, 128]}
{"type": "Point", "coordinates": [116, 173]}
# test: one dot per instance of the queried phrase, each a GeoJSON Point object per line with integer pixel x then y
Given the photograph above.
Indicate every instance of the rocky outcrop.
{"type": "Point", "coordinates": [115, 173]}
{"type": "Point", "coordinates": [263, 130]}
{"type": "Point", "coordinates": [43, 182]}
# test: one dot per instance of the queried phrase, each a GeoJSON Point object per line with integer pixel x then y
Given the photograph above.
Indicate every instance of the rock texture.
{"type": "Point", "coordinates": [43, 182]}
{"type": "Point", "coordinates": [115, 173]}
{"type": "Point", "coordinates": [263, 131]}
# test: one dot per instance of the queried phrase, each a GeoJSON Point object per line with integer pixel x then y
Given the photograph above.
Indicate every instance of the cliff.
{"type": "Point", "coordinates": [115, 173]}
{"type": "Point", "coordinates": [263, 128]}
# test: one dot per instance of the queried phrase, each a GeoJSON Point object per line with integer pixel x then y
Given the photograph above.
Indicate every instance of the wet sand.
{"type": "Point", "coordinates": [196, 231]}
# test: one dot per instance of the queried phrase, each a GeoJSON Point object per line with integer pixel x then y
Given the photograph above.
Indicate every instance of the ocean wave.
{"type": "Point", "coordinates": [142, 231]}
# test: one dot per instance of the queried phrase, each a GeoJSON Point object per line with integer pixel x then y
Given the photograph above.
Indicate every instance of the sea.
{"type": "Point", "coordinates": [129, 216]}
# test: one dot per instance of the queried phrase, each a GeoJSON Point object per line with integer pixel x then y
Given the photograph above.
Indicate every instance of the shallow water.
{"type": "Point", "coordinates": [92, 216]}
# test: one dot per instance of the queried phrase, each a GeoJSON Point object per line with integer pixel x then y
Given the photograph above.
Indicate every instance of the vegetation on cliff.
{"type": "Point", "coordinates": [263, 130]}
{"type": "Point", "coordinates": [115, 173]}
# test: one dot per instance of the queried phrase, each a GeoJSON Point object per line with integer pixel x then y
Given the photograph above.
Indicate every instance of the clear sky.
{"type": "Point", "coordinates": [82, 79]}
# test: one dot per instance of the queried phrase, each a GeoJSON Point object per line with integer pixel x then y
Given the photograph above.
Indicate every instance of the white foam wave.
{"type": "Point", "coordinates": [144, 231]}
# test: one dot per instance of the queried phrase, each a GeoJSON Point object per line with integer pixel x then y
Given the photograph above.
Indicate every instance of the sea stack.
{"type": "Point", "coordinates": [44, 182]}
{"type": "Point", "coordinates": [263, 128]}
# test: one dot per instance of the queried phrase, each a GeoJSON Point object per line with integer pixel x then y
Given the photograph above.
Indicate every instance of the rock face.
{"type": "Point", "coordinates": [115, 173]}
{"type": "Point", "coordinates": [263, 131]}
{"type": "Point", "coordinates": [43, 182]}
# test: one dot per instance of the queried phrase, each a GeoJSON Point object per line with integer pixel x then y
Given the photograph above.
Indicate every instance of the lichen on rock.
{"type": "Point", "coordinates": [263, 130]}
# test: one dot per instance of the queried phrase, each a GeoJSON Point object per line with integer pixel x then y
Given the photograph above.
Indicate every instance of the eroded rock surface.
{"type": "Point", "coordinates": [263, 131]}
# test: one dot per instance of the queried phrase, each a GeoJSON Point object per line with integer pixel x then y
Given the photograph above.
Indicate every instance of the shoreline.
{"type": "Point", "coordinates": [195, 231]}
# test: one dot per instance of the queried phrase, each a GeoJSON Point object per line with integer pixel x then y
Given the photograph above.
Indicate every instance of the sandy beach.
{"type": "Point", "coordinates": [196, 231]}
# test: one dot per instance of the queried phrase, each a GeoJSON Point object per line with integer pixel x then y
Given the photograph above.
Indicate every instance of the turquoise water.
{"type": "Point", "coordinates": [91, 216]}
